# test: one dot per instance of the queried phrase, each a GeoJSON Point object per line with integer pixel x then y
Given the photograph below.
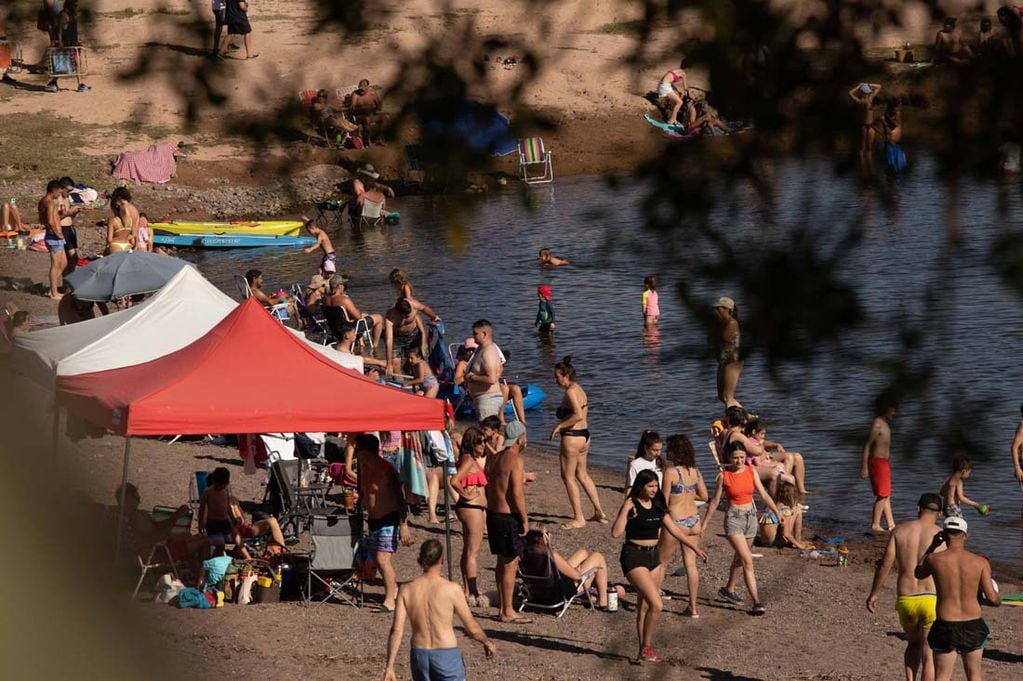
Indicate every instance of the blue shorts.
{"type": "Point", "coordinates": [437, 664]}
{"type": "Point", "coordinates": [54, 244]}
{"type": "Point", "coordinates": [384, 535]}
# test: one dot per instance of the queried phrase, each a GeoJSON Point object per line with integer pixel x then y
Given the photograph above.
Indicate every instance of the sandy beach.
{"type": "Point", "coordinates": [817, 627]}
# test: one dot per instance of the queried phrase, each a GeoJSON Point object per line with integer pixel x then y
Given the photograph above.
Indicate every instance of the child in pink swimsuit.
{"type": "Point", "coordinates": [651, 310]}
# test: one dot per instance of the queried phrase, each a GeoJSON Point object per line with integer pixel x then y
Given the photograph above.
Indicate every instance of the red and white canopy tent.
{"type": "Point", "coordinates": [247, 375]}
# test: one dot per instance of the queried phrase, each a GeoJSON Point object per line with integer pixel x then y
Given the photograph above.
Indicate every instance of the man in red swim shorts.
{"type": "Point", "coordinates": [875, 464]}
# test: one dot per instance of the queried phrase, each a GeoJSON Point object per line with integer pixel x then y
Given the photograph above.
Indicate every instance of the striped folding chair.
{"type": "Point", "coordinates": [532, 153]}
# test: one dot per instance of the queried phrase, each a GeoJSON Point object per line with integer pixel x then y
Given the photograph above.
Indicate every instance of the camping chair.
{"type": "Point", "coordinates": [532, 153]}
{"type": "Point", "coordinates": [334, 539]}
{"type": "Point", "coordinates": [161, 551]}
{"type": "Point", "coordinates": [278, 311]}
{"type": "Point", "coordinates": [336, 316]}
{"type": "Point", "coordinates": [372, 213]}
{"type": "Point", "coordinates": [332, 206]}
{"type": "Point", "coordinates": [544, 587]}
{"type": "Point", "coordinates": [307, 97]}
{"type": "Point", "coordinates": [66, 62]}
{"type": "Point", "coordinates": [196, 487]}
{"type": "Point", "coordinates": [293, 502]}
{"type": "Point", "coordinates": [10, 56]}
{"type": "Point", "coordinates": [316, 328]}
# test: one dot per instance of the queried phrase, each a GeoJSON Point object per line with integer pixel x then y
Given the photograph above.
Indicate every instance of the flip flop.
{"type": "Point", "coordinates": [384, 609]}
{"type": "Point", "coordinates": [252, 57]}
{"type": "Point", "coordinates": [603, 520]}
{"type": "Point", "coordinates": [516, 620]}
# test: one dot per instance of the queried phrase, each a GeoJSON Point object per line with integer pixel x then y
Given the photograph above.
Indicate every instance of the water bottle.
{"type": "Point", "coordinates": [612, 599]}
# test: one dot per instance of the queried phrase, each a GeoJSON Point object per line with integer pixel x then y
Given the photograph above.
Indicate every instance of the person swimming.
{"type": "Point", "coordinates": [547, 259]}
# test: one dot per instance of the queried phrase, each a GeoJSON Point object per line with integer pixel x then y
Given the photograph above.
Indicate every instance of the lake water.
{"type": "Point", "coordinates": [469, 263]}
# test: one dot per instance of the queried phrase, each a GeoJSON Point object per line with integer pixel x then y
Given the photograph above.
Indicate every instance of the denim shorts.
{"type": "Point", "coordinates": [741, 521]}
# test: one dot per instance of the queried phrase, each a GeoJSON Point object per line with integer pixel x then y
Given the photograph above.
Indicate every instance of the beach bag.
{"type": "Point", "coordinates": [354, 142]}
{"type": "Point", "coordinates": [167, 587]}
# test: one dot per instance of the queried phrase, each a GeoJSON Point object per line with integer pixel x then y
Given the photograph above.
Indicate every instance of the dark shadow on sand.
{"type": "Point", "coordinates": [721, 675]}
{"type": "Point", "coordinates": [1000, 656]}
{"type": "Point", "coordinates": [552, 643]}
{"type": "Point", "coordinates": [183, 49]}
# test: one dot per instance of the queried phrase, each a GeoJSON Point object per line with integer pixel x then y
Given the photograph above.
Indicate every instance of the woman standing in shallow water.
{"type": "Point", "coordinates": [726, 341]}
{"type": "Point", "coordinates": [575, 445]}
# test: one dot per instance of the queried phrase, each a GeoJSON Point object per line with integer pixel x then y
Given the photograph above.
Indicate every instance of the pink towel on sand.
{"type": "Point", "coordinates": [156, 164]}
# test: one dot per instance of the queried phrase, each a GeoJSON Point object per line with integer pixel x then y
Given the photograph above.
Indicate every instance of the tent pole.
{"type": "Point", "coordinates": [120, 506]}
{"type": "Point", "coordinates": [447, 518]}
{"type": "Point", "coordinates": [56, 431]}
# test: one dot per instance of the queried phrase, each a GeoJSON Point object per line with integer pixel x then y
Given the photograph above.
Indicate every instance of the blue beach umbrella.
{"type": "Point", "coordinates": [123, 274]}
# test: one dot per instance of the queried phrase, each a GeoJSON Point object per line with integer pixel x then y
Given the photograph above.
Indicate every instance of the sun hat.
{"type": "Point", "coordinates": [316, 281]}
{"type": "Point", "coordinates": [955, 524]}
{"type": "Point", "coordinates": [512, 432]}
{"type": "Point", "coordinates": [724, 302]}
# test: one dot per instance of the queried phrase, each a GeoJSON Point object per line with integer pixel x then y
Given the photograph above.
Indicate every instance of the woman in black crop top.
{"type": "Point", "coordinates": [641, 519]}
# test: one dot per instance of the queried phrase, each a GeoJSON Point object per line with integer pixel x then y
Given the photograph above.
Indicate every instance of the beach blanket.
{"type": "Point", "coordinates": [156, 164]}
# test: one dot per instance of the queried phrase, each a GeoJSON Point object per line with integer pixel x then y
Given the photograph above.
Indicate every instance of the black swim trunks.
{"type": "Point", "coordinates": [960, 637]}
{"type": "Point", "coordinates": [503, 534]}
{"type": "Point", "coordinates": [70, 238]}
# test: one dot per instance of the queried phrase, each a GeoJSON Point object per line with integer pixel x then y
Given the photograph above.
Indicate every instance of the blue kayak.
{"type": "Point", "coordinates": [231, 240]}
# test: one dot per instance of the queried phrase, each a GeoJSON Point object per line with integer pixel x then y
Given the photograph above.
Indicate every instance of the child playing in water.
{"type": "Point", "coordinates": [421, 373]}
{"type": "Point", "coordinates": [328, 265]}
{"type": "Point", "coordinates": [651, 309]}
{"type": "Point", "coordinates": [952, 494]}
{"type": "Point", "coordinates": [544, 311]}
{"type": "Point", "coordinates": [547, 259]}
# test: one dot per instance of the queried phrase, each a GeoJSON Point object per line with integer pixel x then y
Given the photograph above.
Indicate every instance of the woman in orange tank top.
{"type": "Point", "coordinates": [739, 482]}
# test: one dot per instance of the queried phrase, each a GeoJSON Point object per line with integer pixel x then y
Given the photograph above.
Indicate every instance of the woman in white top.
{"type": "Point", "coordinates": [647, 457]}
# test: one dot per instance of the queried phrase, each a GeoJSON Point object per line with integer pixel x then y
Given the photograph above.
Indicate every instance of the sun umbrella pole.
{"type": "Point", "coordinates": [447, 518]}
{"type": "Point", "coordinates": [120, 506]}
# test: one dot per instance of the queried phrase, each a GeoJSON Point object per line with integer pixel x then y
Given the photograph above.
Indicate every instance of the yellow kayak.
{"type": "Point", "coordinates": [235, 228]}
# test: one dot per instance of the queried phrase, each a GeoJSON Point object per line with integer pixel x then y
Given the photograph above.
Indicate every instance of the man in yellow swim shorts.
{"type": "Point", "coordinates": [917, 598]}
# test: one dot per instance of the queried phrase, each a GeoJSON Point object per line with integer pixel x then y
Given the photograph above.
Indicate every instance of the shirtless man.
{"type": "Point", "coordinates": [864, 94]}
{"type": "Point", "coordinates": [483, 372]}
{"type": "Point", "coordinates": [1017, 449]}
{"type": "Point", "coordinates": [875, 462]}
{"type": "Point", "coordinates": [387, 516]}
{"type": "Point", "coordinates": [949, 47]}
{"type": "Point", "coordinates": [507, 521]}
{"type": "Point", "coordinates": [547, 259]}
{"type": "Point", "coordinates": [49, 216]}
{"type": "Point", "coordinates": [328, 264]}
{"type": "Point", "coordinates": [255, 279]}
{"type": "Point", "coordinates": [403, 328]}
{"type": "Point", "coordinates": [339, 297]}
{"type": "Point", "coordinates": [141, 531]}
{"type": "Point", "coordinates": [430, 602]}
{"type": "Point", "coordinates": [959, 576]}
{"type": "Point", "coordinates": [916, 598]}
{"type": "Point", "coordinates": [67, 212]}
{"type": "Point", "coordinates": [346, 344]}
{"type": "Point", "coordinates": [215, 509]}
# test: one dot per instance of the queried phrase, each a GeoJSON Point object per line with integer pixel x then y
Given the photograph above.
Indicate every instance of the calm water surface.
{"type": "Point", "coordinates": [482, 263]}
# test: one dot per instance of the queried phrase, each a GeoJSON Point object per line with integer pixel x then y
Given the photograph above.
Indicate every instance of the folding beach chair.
{"type": "Point", "coordinates": [316, 328]}
{"type": "Point", "coordinates": [372, 213]}
{"type": "Point", "coordinates": [278, 311]}
{"type": "Point", "coordinates": [532, 153]}
{"type": "Point", "coordinates": [329, 212]}
{"type": "Point", "coordinates": [323, 131]}
{"type": "Point", "coordinates": [336, 316]}
{"type": "Point", "coordinates": [334, 538]}
{"type": "Point", "coordinates": [292, 502]}
{"type": "Point", "coordinates": [10, 56]}
{"type": "Point", "coordinates": [544, 587]}
{"type": "Point", "coordinates": [66, 62]}
{"type": "Point", "coordinates": [160, 554]}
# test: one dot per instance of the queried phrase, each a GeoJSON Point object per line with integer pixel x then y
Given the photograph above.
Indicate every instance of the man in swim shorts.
{"type": "Point", "coordinates": [507, 521]}
{"type": "Point", "coordinates": [875, 462]}
{"type": "Point", "coordinates": [959, 577]}
{"type": "Point", "coordinates": [483, 372]}
{"type": "Point", "coordinates": [430, 602]}
{"type": "Point", "coordinates": [328, 264]}
{"type": "Point", "coordinates": [916, 599]}
{"type": "Point", "coordinates": [380, 491]}
{"type": "Point", "coordinates": [50, 218]}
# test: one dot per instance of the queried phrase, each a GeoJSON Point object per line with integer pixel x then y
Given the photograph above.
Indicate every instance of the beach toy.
{"type": "Point", "coordinates": [983, 509]}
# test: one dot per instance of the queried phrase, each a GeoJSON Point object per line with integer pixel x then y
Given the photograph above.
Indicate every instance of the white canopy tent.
{"type": "Point", "coordinates": [184, 310]}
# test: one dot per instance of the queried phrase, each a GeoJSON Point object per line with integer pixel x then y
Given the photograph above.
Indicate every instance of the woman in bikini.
{"type": "Point", "coordinates": [121, 228]}
{"type": "Point", "coordinates": [471, 508]}
{"type": "Point", "coordinates": [668, 88]}
{"type": "Point", "coordinates": [726, 342]}
{"type": "Point", "coordinates": [683, 487]}
{"type": "Point", "coordinates": [575, 445]}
